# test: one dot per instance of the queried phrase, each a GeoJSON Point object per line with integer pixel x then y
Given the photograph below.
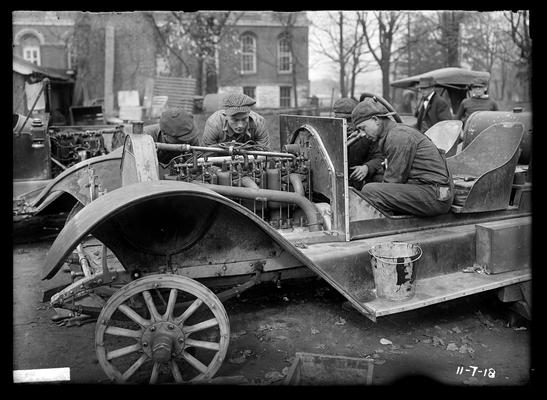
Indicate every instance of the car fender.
{"type": "Point", "coordinates": [145, 223]}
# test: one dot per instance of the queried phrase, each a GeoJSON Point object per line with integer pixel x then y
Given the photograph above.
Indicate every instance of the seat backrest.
{"type": "Point", "coordinates": [445, 135]}
{"type": "Point", "coordinates": [491, 149]}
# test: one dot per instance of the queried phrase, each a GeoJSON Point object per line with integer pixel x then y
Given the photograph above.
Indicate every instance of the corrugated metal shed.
{"type": "Point", "coordinates": [179, 91]}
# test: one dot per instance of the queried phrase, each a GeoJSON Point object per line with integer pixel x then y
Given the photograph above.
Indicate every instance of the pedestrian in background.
{"type": "Point", "coordinates": [432, 108]}
{"type": "Point", "coordinates": [478, 100]}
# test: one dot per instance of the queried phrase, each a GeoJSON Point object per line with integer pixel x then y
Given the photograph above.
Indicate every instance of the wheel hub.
{"type": "Point", "coordinates": [162, 340]}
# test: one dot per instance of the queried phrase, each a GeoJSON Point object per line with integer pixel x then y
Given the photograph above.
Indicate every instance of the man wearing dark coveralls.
{"type": "Point", "coordinates": [416, 179]}
{"type": "Point", "coordinates": [176, 126]}
{"type": "Point", "coordinates": [432, 107]}
{"type": "Point", "coordinates": [236, 122]}
{"type": "Point", "coordinates": [364, 159]}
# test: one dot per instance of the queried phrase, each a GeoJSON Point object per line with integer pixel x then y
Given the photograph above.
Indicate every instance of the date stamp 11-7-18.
{"type": "Point", "coordinates": [476, 371]}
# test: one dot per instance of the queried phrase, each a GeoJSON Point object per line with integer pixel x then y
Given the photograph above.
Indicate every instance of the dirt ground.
{"type": "Point", "coordinates": [443, 342]}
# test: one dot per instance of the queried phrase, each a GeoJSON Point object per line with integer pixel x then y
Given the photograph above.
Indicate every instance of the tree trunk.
{"type": "Point", "coordinates": [450, 26]}
{"type": "Point", "coordinates": [385, 79]}
{"type": "Point", "coordinates": [343, 89]}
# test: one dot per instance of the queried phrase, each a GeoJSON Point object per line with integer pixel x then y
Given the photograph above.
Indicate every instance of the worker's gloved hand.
{"type": "Point", "coordinates": [359, 172]}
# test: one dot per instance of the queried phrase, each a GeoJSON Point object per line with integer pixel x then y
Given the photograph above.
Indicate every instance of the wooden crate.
{"type": "Point", "coordinates": [322, 369]}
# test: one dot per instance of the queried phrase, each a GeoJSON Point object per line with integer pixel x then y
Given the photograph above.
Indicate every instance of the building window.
{"type": "Point", "coordinates": [284, 56]}
{"type": "Point", "coordinates": [248, 54]}
{"type": "Point", "coordinates": [32, 54]}
{"type": "Point", "coordinates": [250, 91]}
{"type": "Point", "coordinates": [284, 96]}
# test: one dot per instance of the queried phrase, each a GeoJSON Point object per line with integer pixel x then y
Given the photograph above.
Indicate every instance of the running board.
{"type": "Point", "coordinates": [443, 288]}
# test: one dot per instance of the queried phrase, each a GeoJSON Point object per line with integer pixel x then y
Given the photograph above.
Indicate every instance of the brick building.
{"type": "Point", "coordinates": [132, 56]}
{"type": "Point", "coordinates": [265, 68]}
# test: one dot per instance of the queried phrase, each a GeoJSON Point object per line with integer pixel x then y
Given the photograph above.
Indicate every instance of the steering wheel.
{"type": "Point", "coordinates": [396, 116]}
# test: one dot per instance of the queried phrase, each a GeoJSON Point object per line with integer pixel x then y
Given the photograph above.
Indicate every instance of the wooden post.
{"type": "Point", "coordinates": [109, 71]}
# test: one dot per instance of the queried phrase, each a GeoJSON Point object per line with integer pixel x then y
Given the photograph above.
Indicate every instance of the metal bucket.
{"type": "Point", "coordinates": [394, 269]}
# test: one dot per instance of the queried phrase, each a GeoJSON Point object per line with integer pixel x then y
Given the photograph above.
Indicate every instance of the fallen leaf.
{"type": "Point", "coordinates": [437, 341]}
{"type": "Point", "coordinates": [314, 331]}
{"type": "Point", "coordinates": [237, 360]}
{"type": "Point", "coordinates": [236, 335]}
{"type": "Point", "coordinates": [341, 321]}
{"type": "Point", "coordinates": [456, 330]}
{"type": "Point", "coordinates": [385, 341]}
{"type": "Point", "coordinates": [273, 375]}
{"type": "Point", "coordinates": [452, 347]}
{"type": "Point", "coordinates": [285, 298]}
{"type": "Point", "coordinates": [437, 327]}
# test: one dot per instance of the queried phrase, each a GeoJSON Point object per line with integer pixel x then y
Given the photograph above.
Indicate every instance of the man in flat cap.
{"type": "Point", "coordinates": [478, 100]}
{"type": "Point", "coordinates": [416, 180]}
{"type": "Point", "coordinates": [176, 126]}
{"type": "Point", "coordinates": [236, 122]}
{"type": "Point", "coordinates": [432, 108]}
{"type": "Point", "coordinates": [364, 159]}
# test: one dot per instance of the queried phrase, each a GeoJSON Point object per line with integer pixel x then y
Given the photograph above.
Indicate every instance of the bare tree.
{"type": "Point", "coordinates": [519, 32]}
{"type": "Point", "coordinates": [200, 34]}
{"type": "Point", "coordinates": [387, 24]}
{"type": "Point", "coordinates": [346, 50]}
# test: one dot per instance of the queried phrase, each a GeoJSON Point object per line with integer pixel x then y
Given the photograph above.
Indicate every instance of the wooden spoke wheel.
{"type": "Point", "coordinates": [162, 328]}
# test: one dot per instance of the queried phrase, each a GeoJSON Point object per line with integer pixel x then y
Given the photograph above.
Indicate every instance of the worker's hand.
{"type": "Point", "coordinates": [355, 134]}
{"type": "Point", "coordinates": [359, 172]}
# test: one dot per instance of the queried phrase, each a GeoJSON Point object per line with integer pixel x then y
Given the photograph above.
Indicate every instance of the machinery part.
{"type": "Point", "coordinates": [139, 159]}
{"type": "Point", "coordinates": [106, 167]}
{"type": "Point", "coordinates": [45, 85]}
{"type": "Point", "coordinates": [157, 337]}
{"type": "Point", "coordinates": [315, 220]}
{"type": "Point", "coordinates": [230, 150]}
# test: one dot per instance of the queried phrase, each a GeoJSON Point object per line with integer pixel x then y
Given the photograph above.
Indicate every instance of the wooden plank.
{"type": "Point", "coordinates": [447, 287]}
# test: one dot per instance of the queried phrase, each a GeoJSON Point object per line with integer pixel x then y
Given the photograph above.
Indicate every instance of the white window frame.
{"type": "Point", "coordinates": [33, 58]}
{"type": "Point", "coordinates": [254, 91]}
{"type": "Point", "coordinates": [290, 96]}
{"type": "Point", "coordinates": [251, 53]}
{"type": "Point", "coordinates": [282, 53]}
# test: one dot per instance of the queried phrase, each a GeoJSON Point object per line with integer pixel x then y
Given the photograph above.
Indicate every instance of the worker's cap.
{"type": "Point", "coordinates": [479, 82]}
{"type": "Point", "coordinates": [238, 103]}
{"type": "Point", "coordinates": [344, 106]}
{"type": "Point", "coordinates": [177, 123]}
{"type": "Point", "coordinates": [426, 82]}
{"type": "Point", "coordinates": [367, 109]}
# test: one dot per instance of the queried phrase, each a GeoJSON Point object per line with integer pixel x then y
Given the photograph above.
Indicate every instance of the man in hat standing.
{"type": "Point", "coordinates": [416, 180]}
{"type": "Point", "coordinates": [432, 107]}
{"type": "Point", "coordinates": [236, 122]}
{"type": "Point", "coordinates": [479, 100]}
{"type": "Point", "coordinates": [364, 159]}
{"type": "Point", "coordinates": [176, 126]}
